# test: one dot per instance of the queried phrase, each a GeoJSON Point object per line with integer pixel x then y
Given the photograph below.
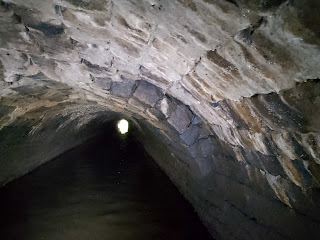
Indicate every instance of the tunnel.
{"type": "Point", "coordinates": [222, 96]}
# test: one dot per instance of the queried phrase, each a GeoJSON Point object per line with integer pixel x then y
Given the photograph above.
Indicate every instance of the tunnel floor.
{"type": "Point", "coordinates": [107, 188]}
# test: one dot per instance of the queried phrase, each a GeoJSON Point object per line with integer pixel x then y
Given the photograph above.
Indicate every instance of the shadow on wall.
{"type": "Point", "coordinates": [44, 133]}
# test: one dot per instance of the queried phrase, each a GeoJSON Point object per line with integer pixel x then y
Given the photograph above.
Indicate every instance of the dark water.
{"type": "Point", "coordinates": [106, 189]}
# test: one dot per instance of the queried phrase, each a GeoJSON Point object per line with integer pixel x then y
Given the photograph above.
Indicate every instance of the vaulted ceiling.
{"type": "Point", "coordinates": [230, 87]}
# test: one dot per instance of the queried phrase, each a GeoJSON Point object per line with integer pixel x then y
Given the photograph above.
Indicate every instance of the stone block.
{"type": "Point", "coordinates": [103, 82]}
{"type": "Point", "coordinates": [191, 134]}
{"type": "Point", "coordinates": [196, 120]}
{"type": "Point", "coordinates": [180, 118]}
{"type": "Point", "coordinates": [202, 152]}
{"type": "Point", "coordinates": [122, 89]}
{"type": "Point", "coordinates": [147, 93]}
{"type": "Point", "coordinates": [166, 106]}
{"type": "Point", "coordinates": [136, 104]}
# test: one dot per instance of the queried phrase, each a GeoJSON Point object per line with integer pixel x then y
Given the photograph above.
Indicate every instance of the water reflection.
{"type": "Point", "coordinates": [105, 189]}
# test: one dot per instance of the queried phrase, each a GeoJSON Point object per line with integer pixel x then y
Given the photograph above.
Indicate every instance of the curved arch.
{"type": "Point", "coordinates": [228, 109]}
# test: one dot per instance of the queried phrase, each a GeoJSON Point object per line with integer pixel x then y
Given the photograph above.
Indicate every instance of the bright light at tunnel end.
{"type": "Point", "coordinates": [123, 126]}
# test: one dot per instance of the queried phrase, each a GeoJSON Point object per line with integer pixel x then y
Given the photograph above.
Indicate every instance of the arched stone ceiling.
{"type": "Point", "coordinates": [228, 91]}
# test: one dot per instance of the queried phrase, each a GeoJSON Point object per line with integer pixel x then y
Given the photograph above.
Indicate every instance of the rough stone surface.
{"type": "Point", "coordinates": [122, 89]}
{"type": "Point", "coordinates": [166, 106]}
{"type": "Point", "coordinates": [104, 83]}
{"type": "Point", "coordinates": [180, 118]}
{"type": "Point", "coordinates": [202, 151]}
{"type": "Point", "coordinates": [191, 134]}
{"type": "Point", "coordinates": [147, 93]}
{"type": "Point", "coordinates": [224, 95]}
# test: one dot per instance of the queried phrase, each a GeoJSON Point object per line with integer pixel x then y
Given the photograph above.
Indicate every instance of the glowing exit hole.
{"type": "Point", "coordinates": [123, 126]}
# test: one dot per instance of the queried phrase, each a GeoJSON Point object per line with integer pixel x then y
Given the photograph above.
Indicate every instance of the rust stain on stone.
{"type": "Point", "coordinates": [201, 80]}
{"type": "Point", "coordinates": [291, 171]}
{"type": "Point", "coordinates": [245, 112]}
{"type": "Point", "coordinates": [276, 113]}
{"type": "Point", "coordinates": [214, 57]}
{"type": "Point", "coordinates": [230, 110]}
{"type": "Point", "coordinates": [218, 60]}
{"type": "Point", "coordinates": [198, 89]}
{"type": "Point", "coordinates": [228, 77]}
{"type": "Point", "coordinates": [280, 192]}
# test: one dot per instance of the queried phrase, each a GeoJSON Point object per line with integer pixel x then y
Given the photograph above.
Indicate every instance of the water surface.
{"type": "Point", "coordinates": [107, 188]}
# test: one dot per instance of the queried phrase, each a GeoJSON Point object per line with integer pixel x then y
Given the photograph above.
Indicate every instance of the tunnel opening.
{"type": "Point", "coordinates": [223, 95]}
{"type": "Point", "coordinates": [105, 188]}
{"type": "Point", "coordinates": [123, 126]}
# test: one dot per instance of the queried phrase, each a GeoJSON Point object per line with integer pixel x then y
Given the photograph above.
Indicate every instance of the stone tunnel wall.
{"type": "Point", "coordinates": [224, 94]}
{"type": "Point", "coordinates": [37, 124]}
{"type": "Point", "coordinates": [238, 192]}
